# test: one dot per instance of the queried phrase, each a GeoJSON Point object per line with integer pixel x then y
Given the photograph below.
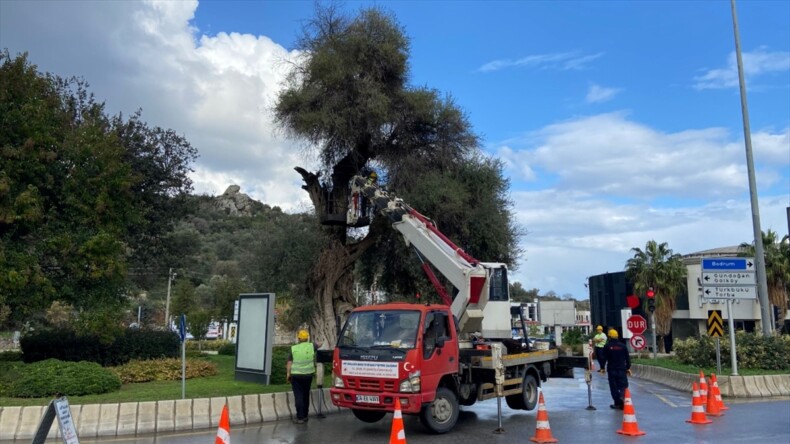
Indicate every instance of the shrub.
{"type": "Point", "coordinates": [50, 377]}
{"type": "Point", "coordinates": [208, 345]}
{"type": "Point", "coordinates": [753, 351]}
{"type": "Point", "coordinates": [163, 370]}
{"type": "Point", "coordinates": [8, 372]}
{"type": "Point", "coordinates": [228, 349]}
{"type": "Point", "coordinates": [11, 356]}
{"type": "Point", "coordinates": [66, 345]}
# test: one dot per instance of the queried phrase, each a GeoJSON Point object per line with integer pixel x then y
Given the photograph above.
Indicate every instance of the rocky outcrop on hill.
{"type": "Point", "coordinates": [235, 203]}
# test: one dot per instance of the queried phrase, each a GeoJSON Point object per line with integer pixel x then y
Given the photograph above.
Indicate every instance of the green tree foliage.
{"type": "Point", "coordinates": [198, 322]}
{"type": "Point", "coordinates": [80, 192]}
{"type": "Point", "coordinates": [777, 269]}
{"type": "Point", "coordinates": [519, 294]}
{"type": "Point", "coordinates": [658, 267]}
{"type": "Point", "coordinates": [184, 298]}
{"type": "Point", "coordinates": [350, 100]}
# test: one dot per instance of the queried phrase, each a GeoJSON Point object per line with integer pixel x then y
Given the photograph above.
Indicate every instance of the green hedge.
{"type": "Point", "coordinates": [163, 370]}
{"type": "Point", "coordinates": [66, 345]}
{"type": "Point", "coordinates": [206, 344]}
{"type": "Point", "coordinates": [228, 349]}
{"type": "Point", "coordinates": [10, 356]}
{"type": "Point", "coordinates": [752, 351]}
{"type": "Point", "coordinates": [52, 377]}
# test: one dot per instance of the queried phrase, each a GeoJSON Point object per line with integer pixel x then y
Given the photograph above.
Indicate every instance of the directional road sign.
{"type": "Point", "coordinates": [728, 264]}
{"type": "Point", "coordinates": [730, 292]}
{"type": "Point", "coordinates": [726, 278]}
{"type": "Point", "coordinates": [636, 324]}
{"type": "Point", "coordinates": [715, 323]}
{"type": "Point", "coordinates": [638, 342]}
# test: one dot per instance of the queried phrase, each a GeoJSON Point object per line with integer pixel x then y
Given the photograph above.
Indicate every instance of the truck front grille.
{"type": "Point", "coordinates": [371, 385]}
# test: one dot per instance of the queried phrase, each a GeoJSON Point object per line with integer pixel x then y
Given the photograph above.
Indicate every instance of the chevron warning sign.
{"type": "Point", "coordinates": [715, 324]}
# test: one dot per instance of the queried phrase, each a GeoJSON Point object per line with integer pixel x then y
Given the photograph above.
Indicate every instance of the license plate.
{"type": "Point", "coordinates": [367, 399]}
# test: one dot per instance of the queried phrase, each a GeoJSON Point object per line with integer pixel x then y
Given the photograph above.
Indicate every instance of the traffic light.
{"type": "Point", "coordinates": [651, 300]}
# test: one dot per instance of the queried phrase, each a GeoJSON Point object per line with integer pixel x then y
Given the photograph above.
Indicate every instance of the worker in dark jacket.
{"type": "Point", "coordinates": [618, 368]}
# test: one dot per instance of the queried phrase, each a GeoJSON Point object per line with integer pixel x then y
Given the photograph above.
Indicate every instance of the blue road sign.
{"type": "Point", "coordinates": [182, 327]}
{"type": "Point", "coordinates": [727, 263]}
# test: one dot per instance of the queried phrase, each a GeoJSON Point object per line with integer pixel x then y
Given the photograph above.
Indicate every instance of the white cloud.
{"type": "Point", "coordinates": [217, 91]}
{"type": "Point", "coordinates": [562, 61]}
{"type": "Point", "coordinates": [757, 63]}
{"type": "Point", "coordinates": [608, 154]}
{"type": "Point", "coordinates": [605, 184]}
{"type": "Point", "coordinates": [597, 93]}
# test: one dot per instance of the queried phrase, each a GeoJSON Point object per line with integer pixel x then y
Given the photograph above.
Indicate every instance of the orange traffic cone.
{"type": "Point", "coordinates": [717, 393]}
{"type": "Point", "coordinates": [398, 434]}
{"type": "Point", "coordinates": [713, 408]}
{"type": "Point", "coordinates": [223, 432]}
{"type": "Point", "coordinates": [630, 427]}
{"type": "Point", "coordinates": [703, 389]}
{"type": "Point", "coordinates": [697, 411]}
{"type": "Point", "coordinates": [542, 428]}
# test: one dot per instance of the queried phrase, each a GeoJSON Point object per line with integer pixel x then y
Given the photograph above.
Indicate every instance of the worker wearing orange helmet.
{"type": "Point", "coordinates": [299, 371]}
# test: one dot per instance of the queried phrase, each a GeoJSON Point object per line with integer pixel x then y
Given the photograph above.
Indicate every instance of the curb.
{"type": "Point", "coordinates": [138, 418]}
{"type": "Point", "coordinates": [763, 386]}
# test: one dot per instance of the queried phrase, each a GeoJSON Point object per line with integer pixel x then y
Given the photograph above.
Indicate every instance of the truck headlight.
{"type": "Point", "coordinates": [411, 384]}
{"type": "Point", "coordinates": [338, 382]}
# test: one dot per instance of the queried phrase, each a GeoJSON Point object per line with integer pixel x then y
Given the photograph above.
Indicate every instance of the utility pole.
{"type": "Point", "coordinates": [762, 283]}
{"type": "Point", "coordinates": [170, 277]}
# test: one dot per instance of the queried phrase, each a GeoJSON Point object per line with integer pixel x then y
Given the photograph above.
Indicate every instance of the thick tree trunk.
{"type": "Point", "coordinates": [331, 281]}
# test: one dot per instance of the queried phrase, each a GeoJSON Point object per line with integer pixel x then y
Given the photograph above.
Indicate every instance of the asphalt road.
{"type": "Point", "coordinates": [661, 413]}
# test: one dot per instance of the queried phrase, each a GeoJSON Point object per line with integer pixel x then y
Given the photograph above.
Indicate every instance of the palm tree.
{"type": "Point", "coordinates": [777, 269]}
{"type": "Point", "coordinates": [658, 267]}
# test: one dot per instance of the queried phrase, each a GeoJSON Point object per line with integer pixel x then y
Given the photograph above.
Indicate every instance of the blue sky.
{"type": "Point", "coordinates": [619, 122]}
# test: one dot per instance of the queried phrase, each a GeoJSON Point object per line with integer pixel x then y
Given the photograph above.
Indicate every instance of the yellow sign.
{"type": "Point", "coordinates": [715, 323]}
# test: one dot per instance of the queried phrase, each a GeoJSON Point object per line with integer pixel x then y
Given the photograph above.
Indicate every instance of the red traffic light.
{"type": "Point", "coordinates": [651, 294]}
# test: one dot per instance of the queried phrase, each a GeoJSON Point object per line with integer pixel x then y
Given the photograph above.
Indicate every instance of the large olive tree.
{"type": "Point", "coordinates": [349, 100]}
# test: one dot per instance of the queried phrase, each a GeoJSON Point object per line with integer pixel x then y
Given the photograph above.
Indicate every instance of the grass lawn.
{"type": "Point", "coordinates": [222, 384]}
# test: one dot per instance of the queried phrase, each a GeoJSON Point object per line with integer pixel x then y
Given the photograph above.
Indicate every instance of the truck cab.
{"type": "Point", "coordinates": [404, 351]}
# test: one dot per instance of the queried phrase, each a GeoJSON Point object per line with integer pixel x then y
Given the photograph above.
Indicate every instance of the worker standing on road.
{"type": "Point", "coordinates": [299, 371]}
{"type": "Point", "coordinates": [618, 365]}
{"type": "Point", "coordinates": [599, 340]}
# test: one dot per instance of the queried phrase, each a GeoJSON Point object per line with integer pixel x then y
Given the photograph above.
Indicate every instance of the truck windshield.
{"type": "Point", "coordinates": [390, 328]}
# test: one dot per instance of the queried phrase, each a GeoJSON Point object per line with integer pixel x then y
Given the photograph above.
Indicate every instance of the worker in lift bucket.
{"type": "Point", "coordinates": [599, 341]}
{"type": "Point", "coordinates": [618, 366]}
{"type": "Point", "coordinates": [373, 178]}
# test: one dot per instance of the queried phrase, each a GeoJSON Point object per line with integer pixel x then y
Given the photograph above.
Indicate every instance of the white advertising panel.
{"type": "Point", "coordinates": [370, 369]}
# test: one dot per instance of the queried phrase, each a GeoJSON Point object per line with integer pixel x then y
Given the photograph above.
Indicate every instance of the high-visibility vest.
{"type": "Point", "coordinates": [602, 343]}
{"type": "Point", "coordinates": [303, 362]}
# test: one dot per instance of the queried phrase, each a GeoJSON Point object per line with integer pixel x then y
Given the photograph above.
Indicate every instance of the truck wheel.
{"type": "Point", "coordinates": [468, 394]}
{"type": "Point", "coordinates": [528, 398]}
{"type": "Point", "coordinates": [440, 415]}
{"type": "Point", "coordinates": [368, 415]}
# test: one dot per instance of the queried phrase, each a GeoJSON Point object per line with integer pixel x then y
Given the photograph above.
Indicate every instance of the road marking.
{"type": "Point", "coordinates": [664, 400]}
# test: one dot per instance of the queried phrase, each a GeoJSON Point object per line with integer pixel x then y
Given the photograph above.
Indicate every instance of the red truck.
{"type": "Point", "coordinates": [436, 357]}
